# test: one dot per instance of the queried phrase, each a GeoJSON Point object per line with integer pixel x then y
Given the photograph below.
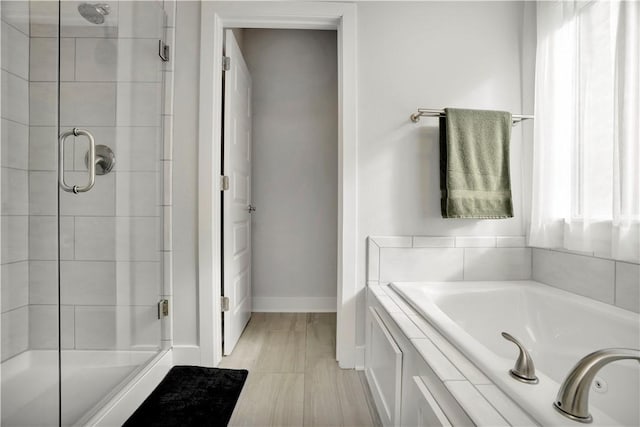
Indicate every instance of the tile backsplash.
{"type": "Point", "coordinates": [449, 258]}
{"type": "Point", "coordinates": [606, 280]}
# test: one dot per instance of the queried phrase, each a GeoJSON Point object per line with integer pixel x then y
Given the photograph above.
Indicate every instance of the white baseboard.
{"type": "Point", "coordinates": [186, 355]}
{"type": "Point", "coordinates": [294, 305]}
{"type": "Point", "coordinates": [360, 358]}
{"type": "Point", "coordinates": [124, 404]}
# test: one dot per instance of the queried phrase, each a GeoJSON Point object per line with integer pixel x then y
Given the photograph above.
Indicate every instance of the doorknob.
{"type": "Point", "coordinates": [251, 209]}
{"type": "Point", "coordinates": [91, 166]}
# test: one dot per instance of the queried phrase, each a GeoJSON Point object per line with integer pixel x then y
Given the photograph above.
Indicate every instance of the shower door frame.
{"type": "Point", "coordinates": [215, 17]}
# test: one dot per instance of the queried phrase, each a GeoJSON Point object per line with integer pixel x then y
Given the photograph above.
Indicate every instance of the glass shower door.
{"type": "Point", "coordinates": [109, 188]}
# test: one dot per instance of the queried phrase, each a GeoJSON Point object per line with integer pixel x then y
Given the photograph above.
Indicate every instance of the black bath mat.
{"type": "Point", "coordinates": [191, 396]}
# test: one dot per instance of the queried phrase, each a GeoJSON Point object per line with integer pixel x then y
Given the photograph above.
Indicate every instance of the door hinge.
{"type": "Point", "coordinates": [163, 51]}
{"type": "Point", "coordinates": [163, 308]}
{"type": "Point", "coordinates": [224, 303]}
{"type": "Point", "coordinates": [224, 183]}
{"type": "Point", "coordinates": [226, 63]}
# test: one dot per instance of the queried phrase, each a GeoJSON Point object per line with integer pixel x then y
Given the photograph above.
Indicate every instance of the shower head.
{"type": "Point", "coordinates": [94, 13]}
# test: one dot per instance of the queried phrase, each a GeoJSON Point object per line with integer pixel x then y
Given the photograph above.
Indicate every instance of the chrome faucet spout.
{"type": "Point", "coordinates": [524, 369]}
{"type": "Point", "coordinates": [572, 400]}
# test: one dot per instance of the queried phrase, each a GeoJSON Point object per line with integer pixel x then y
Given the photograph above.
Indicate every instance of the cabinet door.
{"type": "Point", "coordinates": [383, 369]}
{"type": "Point", "coordinates": [429, 412]}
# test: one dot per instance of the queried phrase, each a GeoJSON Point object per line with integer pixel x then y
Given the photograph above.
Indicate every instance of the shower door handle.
{"type": "Point", "coordinates": [91, 165]}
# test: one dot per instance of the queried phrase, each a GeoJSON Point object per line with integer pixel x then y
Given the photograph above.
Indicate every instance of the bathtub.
{"type": "Point", "coordinates": [557, 327]}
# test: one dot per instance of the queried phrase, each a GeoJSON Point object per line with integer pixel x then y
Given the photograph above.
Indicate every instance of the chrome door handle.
{"type": "Point", "coordinates": [91, 165]}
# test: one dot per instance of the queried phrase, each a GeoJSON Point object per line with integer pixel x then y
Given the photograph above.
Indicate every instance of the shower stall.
{"type": "Point", "coordinates": [82, 100]}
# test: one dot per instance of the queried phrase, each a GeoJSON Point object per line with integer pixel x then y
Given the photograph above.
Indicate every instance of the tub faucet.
{"type": "Point", "coordinates": [524, 370]}
{"type": "Point", "coordinates": [572, 400]}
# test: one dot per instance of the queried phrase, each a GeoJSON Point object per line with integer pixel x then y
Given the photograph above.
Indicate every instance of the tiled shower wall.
{"type": "Point", "coordinates": [14, 165]}
{"type": "Point", "coordinates": [114, 250]}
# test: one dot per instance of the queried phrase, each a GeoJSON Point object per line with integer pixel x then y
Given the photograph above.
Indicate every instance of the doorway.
{"type": "Point", "coordinates": [280, 155]}
{"type": "Point", "coordinates": [323, 16]}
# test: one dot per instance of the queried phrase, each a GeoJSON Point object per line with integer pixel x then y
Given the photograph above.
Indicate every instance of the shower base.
{"type": "Point", "coordinates": [89, 379]}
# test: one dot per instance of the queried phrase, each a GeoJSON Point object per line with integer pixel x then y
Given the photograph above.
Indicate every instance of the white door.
{"type": "Point", "coordinates": [236, 200]}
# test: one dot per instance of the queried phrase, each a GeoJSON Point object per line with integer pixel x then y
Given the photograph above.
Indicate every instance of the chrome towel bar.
{"type": "Point", "coordinates": [431, 112]}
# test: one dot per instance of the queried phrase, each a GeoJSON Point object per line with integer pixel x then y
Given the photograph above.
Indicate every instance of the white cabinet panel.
{"type": "Point", "coordinates": [383, 368]}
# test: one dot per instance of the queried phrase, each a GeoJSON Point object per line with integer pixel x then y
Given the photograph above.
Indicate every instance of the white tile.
{"type": "Point", "coordinates": [497, 263]}
{"type": "Point", "coordinates": [43, 238]}
{"type": "Point", "coordinates": [373, 259]}
{"type": "Point", "coordinates": [167, 273]}
{"type": "Point", "coordinates": [479, 410]}
{"type": "Point", "coordinates": [138, 148]}
{"type": "Point", "coordinates": [43, 327]}
{"type": "Point", "coordinates": [510, 241]}
{"type": "Point", "coordinates": [43, 104]}
{"type": "Point", "coordinates": [140, 19]}
{"type": "Point", "coordinates": [583, 275]}
{"type": "Point", "coordinates": [466, 368]}
{"type": "Point", "coordinates": [95, 238]}
{"type": "Point", "coordinates": [15, 238]}
{"type": "Point", "coordinates": [15, 51]}
{"type": "Point", "coordinates": [97, 59]}
{"type": "Point", "coordinates": [405, 324]}
{"type": "Point", "coordinates": [145, 327]}
{"type": "Point", "coordinates": [43, 235]}
{"type": "Point", "coordinates": [15, 192]}
{"type": "Point", "coordinates": [139, 104]}
{"type": "Point", "coordinates": [44, 18]}
{"type": "Point", "coordinates": [167, 243]}
{"type": "Point", "coordinates": [167, 137]}
{"type": "Point", "coordinates": [15, 98]}
{"type": "Point", "coordinates": [388, 304]}
{"type": "Point", "coordinates": [95, 327]}
{"type": "Point", "coordinates": [43, 149]}
{"type": "Point", "coordinates": [44, 59]}
{"type": "Point", "coordinates": [137, 194]}
{"type": "Point", "coordinates": [15, 145]}
{"type": "Point", "coordinates": [505, 406]}
{"type": "Point", "coordinates": [79, 106]}
{"type": "Point", "coordinates": [393, 241]}
{"type": "Point", "coordinates": [15, 285]}
{"type": "Point", "coordinates": [433, 242]}
{"type": "Point", "coordinates": [167, 182]}
{"type": "Point", "coordinates": [16, 13]}
{"type": "Point", "coordinates": [438, 362]}
{"type": "Point", "coordinates": [423, 264]}
{"type": "Point", "coordinates": [170, 9]}
{"type": "Point", "coordinates": [15, 332]}
{"type": "Point", "coordinates": [138, 239]}
{"type": "Point", "coordinates": [138, 61]}
{"type": "Point", "coordinates": [88, 283]}
{"type": "Point", "coordinates": [168, 89]}
{"type": "Point", "coordinates": [43, 282]}
{"type": "Point", "coordinates": [43, 193]}
{"type": "Point", "coordinates": [99, 201]}
{"type": "Point", "coordinates": [475, 242]}
{"type": "Point", "coordinates": [138, 283]}
{"type": "Point", "coordinates": [628, 286]}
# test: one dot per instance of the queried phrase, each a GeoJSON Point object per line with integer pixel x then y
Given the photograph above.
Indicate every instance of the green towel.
{"type": "Point", "coordinates": [474, 164]}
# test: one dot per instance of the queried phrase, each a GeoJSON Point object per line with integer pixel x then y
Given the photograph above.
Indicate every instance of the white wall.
{"type": "Point", "coordinates": [185, 173]}
{"type": "Point", "coordinates": [432, 55]}
{"type": "Point", "coordinates": [410, 54]}
{"type": "Point", "coordinates": [295, 161]}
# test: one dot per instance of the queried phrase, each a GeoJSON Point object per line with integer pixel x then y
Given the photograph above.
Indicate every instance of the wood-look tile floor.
{"type": "Point", "coordinates": [294, 379]}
